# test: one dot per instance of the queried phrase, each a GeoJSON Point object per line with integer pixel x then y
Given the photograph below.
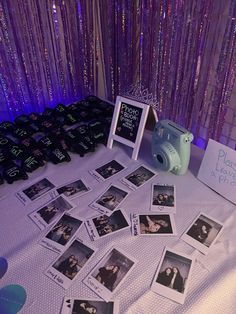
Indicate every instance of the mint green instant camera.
{"type": "Point", "coordinates": [171, 147]}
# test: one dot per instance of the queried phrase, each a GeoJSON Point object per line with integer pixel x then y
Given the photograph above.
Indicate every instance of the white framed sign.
{"type": "Point", "coordinates": [128, 123]}
{"type": "Point", "coordinates": [218, 169]}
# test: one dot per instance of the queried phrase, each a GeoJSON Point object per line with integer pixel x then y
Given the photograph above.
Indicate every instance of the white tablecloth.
{"type": "Point", "coordinates": [212, 287]}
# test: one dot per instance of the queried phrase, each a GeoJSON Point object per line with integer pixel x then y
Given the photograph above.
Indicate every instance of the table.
{"type": "Point", "coordinates": [212, 285]}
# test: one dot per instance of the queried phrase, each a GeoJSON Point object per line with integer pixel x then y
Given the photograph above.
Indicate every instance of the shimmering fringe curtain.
{"type": "Point", "coordinates": [46, 54]}
{"type": "Point", "coordinates": [182, 53]}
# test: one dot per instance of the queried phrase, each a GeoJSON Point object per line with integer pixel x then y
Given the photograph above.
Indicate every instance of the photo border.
{"type": "Point", "coordinates": [166, 291]}
{"type": "Point", "coordinates": [135, 224]}
{"type": "Point", "coordinates": [163, 209]}
{"type": "Point", "coordinates": [99, 288]}
{"type": "Point", "coordinates": [195, 243]}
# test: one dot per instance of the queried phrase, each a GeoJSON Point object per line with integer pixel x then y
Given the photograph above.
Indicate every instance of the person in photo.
{"type": "Point", "coordinates": [60, 233]}
{"type": "Point", "coordinates": [171, 278]}
{"type": "Point", "coordinates": [64, 265]}
{"type": "Point", "coordinates": [107, 275]}
{"type": "Point", "coordinates": [48, 212]}
{"type": "Point", "coordinates": [137, 178]}
{"type": "Point", "coordinates": [106, 230]}
{"type": "Point", "coordinates": [100, 221]}
{"type": "Point", "coordinates": [72, 269]}
{"type": "Point", "coordinates": [65, 235]}
{"type": "Point", "coordinates": [148, 225]}
{"type": "Point", "coordinates": [177, 282]}
{"type": "Point", "coordinates": [108, 201]}
{"type": "Point", "coordinates": [70, 190]}
{"type": "Point", "coordinates": [107, 172]}
{"type": "Point", "coordinates": [165, 277]}
{"type": "Point", "coordinates": [68, 267]}
{"type": "Point", "coordinates": [83, 307]}
{"type": "Point", "coordinates": [38, 189]}
{"type": "Point", "coordinates": [164, 200]}
{"type": "Point", "coordinates": [200, 230]}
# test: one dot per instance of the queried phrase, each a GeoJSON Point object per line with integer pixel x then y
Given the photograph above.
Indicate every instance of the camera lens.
{"type": "Point", "coordinates": [160, 159]}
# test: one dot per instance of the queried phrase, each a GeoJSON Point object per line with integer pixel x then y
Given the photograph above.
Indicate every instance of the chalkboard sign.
{"type": "Point", "coordinates": [218, 169]}
{"type": "Point", "coordinates": [128, 123]}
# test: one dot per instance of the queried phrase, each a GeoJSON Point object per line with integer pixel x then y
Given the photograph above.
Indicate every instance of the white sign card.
{"type": "Point", "coordinates": [218, 169]}
{"type": "Point", "coordinates": [128, 123]}
{"type": "Point", "coordinates": [80, 305]}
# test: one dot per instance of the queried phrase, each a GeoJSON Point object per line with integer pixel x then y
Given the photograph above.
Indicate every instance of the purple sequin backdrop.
{"type": "Point", "coordinates": [182, 53]}
{"type": "Point", "coordinates": [46, 54]}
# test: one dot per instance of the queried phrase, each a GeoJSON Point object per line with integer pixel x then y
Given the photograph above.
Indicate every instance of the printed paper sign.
{"type": "Point", "coordinates": [218, 169]}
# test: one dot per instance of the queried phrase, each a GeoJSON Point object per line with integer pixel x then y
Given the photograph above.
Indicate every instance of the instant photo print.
{"type": "Point", "coordinates": [74, 188]}
{"type": "Point", "coordinates": [69, 264]}
{"type": "Point", "coordinates": [51, 211]}
{"type": "Point", "coordinates": [107, 170]}
{"type": "Point", "coordinates": [101, 226]}
{"type": "Point", "coordinates": [62, 233]}
{"type": "Point", "coordinates": [109, 200]}
{"type": "Point", "coordinates": [173, 274]}
{"type": "Point", "coordinates": [109, 273]}
{"type": "Point", "coordinates": [203, 233]}
{"type": "Point", "coordinates": [83, 306]}
{"type": "Point", "coordinates": [163, 198]}
{"type": "Point", "coordinates": [150, 224]}
{"type": "Point", "coordinates": [36, 190]}
{"type": "Point", "coordinates": [138, 177]}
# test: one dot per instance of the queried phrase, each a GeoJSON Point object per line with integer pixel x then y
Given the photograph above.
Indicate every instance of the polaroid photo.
{"type": "Point", "coordinates": [109, 273]}
{"type": "Point", "coordinates": [173, 274]}
{"type": "Point", "coordinates": [51, 211]}
{"type": "Point", "coordinates": [74, 189]}
{"type": "Point", "coordinates": [67, 266]}
{"type": "Point", "coordinates": [153, 224]}
{"type": "Point", "coordinates": [62, 233]}
{"type": "Point", "coordinates": [108, 170]}
{"type": "Point", "coordinates": [80, 306]}
{"type": "Point", "coordinates": [101, 226]}
{"type": "Point", "coordinates": [109, 200]}
{"type": "Point", "coordinates": [163, 198]}
{"type": "Point", "coordinates": [36, 190]}
{"type": "Point", "coordinates": [203, 232]}
{"type": "Point", "coordinates": [138, 177]}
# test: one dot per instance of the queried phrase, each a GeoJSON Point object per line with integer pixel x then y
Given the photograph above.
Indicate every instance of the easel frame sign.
{"type": "Point", "coordinates": [128, 123]}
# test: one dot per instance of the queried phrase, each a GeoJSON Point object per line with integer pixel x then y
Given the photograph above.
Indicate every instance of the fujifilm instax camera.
{"type": "Point", "coordinates": [171, 147]}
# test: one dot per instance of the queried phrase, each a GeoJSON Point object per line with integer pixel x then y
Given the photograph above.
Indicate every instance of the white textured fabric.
{"type": "Point", "coordinates": [212, 287]}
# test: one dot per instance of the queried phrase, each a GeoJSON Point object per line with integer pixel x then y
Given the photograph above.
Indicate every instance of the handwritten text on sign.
{"type": "Point", "coordinates": [225, 170]}
{"type": "Point", "coordinates": [218, 169]}
{"type": "Point", "coordinates": [128, 121]}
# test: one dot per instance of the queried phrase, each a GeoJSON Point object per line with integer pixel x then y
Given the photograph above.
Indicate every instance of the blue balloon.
{"type": "Point", "coordinates": [12, 299]}
{"type": "Point", "coordinates": [3, 266]}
